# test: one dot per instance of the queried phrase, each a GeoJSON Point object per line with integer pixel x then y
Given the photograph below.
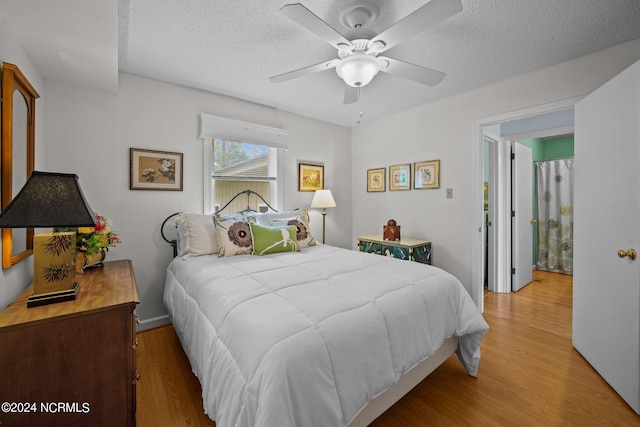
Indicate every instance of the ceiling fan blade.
{"type": "Point", "coordinates": [416, 73]}
{"type": "Point", "coordinates": [422, 19]}
{"type": "Point", "coordinates": [304, 71]}
{"type": "Point", "coordinates": [303, 16]}
{"type": "Point", "coordinates": [351, 94]}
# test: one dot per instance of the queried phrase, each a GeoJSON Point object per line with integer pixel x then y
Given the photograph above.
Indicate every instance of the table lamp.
{"type": "Point", "coordinates": [323, 199]}
{"type": "Point", "coordinates": [50, 200]}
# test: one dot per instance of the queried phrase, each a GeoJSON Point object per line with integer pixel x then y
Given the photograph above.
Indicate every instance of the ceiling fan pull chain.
{"type": "Point", "coordinates": [359, 105]}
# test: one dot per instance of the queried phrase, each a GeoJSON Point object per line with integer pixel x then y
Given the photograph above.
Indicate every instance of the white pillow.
{"type": "Point", "coordinates": [267, 217]}
{"type": "Point", "coordinates": [181, 237]}
{"type": "Point", "coordinates": [199, 235]}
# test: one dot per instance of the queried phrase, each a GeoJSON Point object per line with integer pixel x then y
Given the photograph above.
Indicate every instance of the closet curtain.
{"type": "Point", "coordinates": [555, 215]}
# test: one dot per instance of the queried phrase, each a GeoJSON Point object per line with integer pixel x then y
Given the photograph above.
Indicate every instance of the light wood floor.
{"type": "Point", "coordinates": [529, 375]}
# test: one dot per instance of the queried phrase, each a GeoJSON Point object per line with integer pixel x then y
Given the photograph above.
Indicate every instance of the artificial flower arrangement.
{"type": "Point", "coordinates": [92, 240]}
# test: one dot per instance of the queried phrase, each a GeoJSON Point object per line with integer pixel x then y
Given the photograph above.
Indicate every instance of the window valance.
{"type": "Point", "coordinates": [216, 127]}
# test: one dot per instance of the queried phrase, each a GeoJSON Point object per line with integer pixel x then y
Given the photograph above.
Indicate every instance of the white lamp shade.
{"type": "Point", "coordinates": [358, 70]}
{"type": "Point", "coordinates": [323, 199]}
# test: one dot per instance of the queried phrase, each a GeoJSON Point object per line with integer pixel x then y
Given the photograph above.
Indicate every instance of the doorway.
{"type": "Point", "coordinates": [541, 121]}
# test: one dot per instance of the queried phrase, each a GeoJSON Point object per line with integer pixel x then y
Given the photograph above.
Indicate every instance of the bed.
{"type": "Point", "coordinates": [313, 335]}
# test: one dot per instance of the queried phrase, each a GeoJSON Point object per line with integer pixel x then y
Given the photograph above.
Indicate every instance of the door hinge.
{"type": "Point", "coordinates": [513, 271]}
{"type": "Point", "coordinates": [513, 156]}
{"type": "Point", "coordinates": [513, 214]}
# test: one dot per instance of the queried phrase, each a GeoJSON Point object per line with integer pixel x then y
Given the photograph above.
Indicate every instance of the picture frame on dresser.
{"type": "Point", "coordinates": [155, 170]}
{"type": "Point", "coordinates": [426, 174]}
{"type": "Point", "coordinates": [376, 180]}
{"type": "Point", "coordinates": [400, 177]}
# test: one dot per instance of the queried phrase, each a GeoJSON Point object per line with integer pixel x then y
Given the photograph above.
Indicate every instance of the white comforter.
{"type": "Point", "coordinates": [308, 338]}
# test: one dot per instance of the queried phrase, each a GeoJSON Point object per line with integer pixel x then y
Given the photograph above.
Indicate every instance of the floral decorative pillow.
{"type": "Point", "coordinates": [299, 218]}
{"type": "Point", "coordinates": [270, 240]}
{"type": "Point", "coordinates": [233, 233]}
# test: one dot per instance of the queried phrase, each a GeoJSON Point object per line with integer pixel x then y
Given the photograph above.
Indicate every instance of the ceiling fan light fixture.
{"type": "Point", "coordinates": [358, 70]}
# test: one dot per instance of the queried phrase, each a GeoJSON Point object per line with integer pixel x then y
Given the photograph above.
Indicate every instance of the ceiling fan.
{"type": "Point", "coordinates": [358, 50]}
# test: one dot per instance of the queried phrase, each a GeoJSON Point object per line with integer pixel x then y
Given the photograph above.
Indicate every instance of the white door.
{"type": "Point", "coordinates": [490, 217]}
{"type": "Point", "coordinates": [521, 225]}
{"type": "Point", "coordinates": [499, 248]}
{"type": "Point", "coordinates": [606, 288]}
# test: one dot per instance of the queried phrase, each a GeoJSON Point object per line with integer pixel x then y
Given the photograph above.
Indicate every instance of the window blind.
{"type": "Point", "coordinates": [241, 160]}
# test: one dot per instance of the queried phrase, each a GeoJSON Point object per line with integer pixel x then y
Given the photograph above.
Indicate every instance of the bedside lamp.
{"type": "Point", "coordinates": [323, 199]}
{"type": "Point", "coordinates": [50, 200]}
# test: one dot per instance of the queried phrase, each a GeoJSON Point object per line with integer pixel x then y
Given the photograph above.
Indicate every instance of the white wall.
{"type": "Point", "coordinates": [15, 279]}
{"type": "Point", "coordinates": [445, 130]}
{"type": "Point", "coordinates": [313, 141]}
{"type": "Point", "coordinates": [89, 133]}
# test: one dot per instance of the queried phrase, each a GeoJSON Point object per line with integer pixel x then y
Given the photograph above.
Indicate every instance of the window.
{"type": "Point", "coordinates": [238, 166]}
{"type": "Point", "coordinates": [239, 156]}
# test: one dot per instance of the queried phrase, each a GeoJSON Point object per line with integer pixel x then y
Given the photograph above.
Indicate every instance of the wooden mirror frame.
{"type": "Point", "coordinates": [13, 79]}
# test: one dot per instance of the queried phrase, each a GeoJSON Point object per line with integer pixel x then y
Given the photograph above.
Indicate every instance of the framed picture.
{"type": "Point", "coordinates": [376, 180]}
{"type": "Point", "coordinates": [155, 170]}
{"type": "Point", "coordinates": [400, 177]}
{"type": "Point", "coordinates": [310, 177]}
{"type": "Point", "coordinates": [426, 174]}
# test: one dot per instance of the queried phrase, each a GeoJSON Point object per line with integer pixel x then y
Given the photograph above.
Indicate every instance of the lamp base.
{"type": "Point", "coordinates": [324, 216]}
{"type": "Point", "coordinates": [53, 297]}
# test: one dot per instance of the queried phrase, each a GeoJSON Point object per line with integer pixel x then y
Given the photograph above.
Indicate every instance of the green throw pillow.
{"type": "Point", "coordinates": [269, 240]}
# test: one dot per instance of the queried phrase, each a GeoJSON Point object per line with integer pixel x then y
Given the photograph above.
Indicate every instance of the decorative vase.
{"type": "Point", "coordinates": [84, 261]}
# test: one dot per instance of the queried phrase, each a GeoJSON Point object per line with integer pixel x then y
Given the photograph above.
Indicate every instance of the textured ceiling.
{"type": "Point", "coordinates": [72, 41]}
{"type": "Point", "coordinates": [233, 47]}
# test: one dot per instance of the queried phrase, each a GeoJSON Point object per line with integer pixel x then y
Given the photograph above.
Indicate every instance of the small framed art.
{"type": "Point", "coordinates": [376, 180]}
{"type": "Point", "coordinates": [400, 177]}
{"type": "Point", "coordinates": [155, 170]}
{"type": "Point", "coordinates": [310, 177]}
{"type": "Point", "coordinates": [426, 174]}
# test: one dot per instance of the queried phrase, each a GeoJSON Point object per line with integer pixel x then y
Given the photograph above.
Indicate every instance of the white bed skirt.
{"type": "Point", "coordinates": [405, 384]}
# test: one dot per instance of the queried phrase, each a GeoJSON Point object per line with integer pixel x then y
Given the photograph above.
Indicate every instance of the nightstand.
{"type": "Point", "coordinates": [409, 249]}
{"type": "Point", "coordinates": [72, 363]}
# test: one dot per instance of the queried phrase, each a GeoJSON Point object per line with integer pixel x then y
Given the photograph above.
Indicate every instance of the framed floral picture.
{"type": "Point", "coordinates": [310, 177]}
{"type": "Point", "coordinates": [376, 180]}
{"type": "Point", "coordinates": [426, 174]}
{"type": "Point", "coordinates": [155, 170]}
{"type": "Point", "coordinates": [400, 177]}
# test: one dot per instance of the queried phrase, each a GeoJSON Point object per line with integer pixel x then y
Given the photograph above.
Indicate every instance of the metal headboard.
{"type": "Point", "coordinates": [174, 242]}
{"type": "Point", "coordinates": [248, 193]}
{"type": "Point", "coordinates": [248, 208]}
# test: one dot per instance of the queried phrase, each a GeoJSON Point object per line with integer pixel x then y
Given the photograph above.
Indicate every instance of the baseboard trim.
{"type": "Point", "coordinates": [154, 322]}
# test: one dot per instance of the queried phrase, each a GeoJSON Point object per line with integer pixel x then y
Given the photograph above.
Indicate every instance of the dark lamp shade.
{"type": "Point", "coordinates": [49, 200]}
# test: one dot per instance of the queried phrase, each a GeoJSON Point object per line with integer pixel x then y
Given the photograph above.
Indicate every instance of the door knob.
{"type": "Point", "coordinates": [630, 253]}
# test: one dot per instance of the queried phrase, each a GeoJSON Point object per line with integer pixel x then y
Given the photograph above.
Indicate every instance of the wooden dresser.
{"type": "Point", "coordinates": [72, 363]}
